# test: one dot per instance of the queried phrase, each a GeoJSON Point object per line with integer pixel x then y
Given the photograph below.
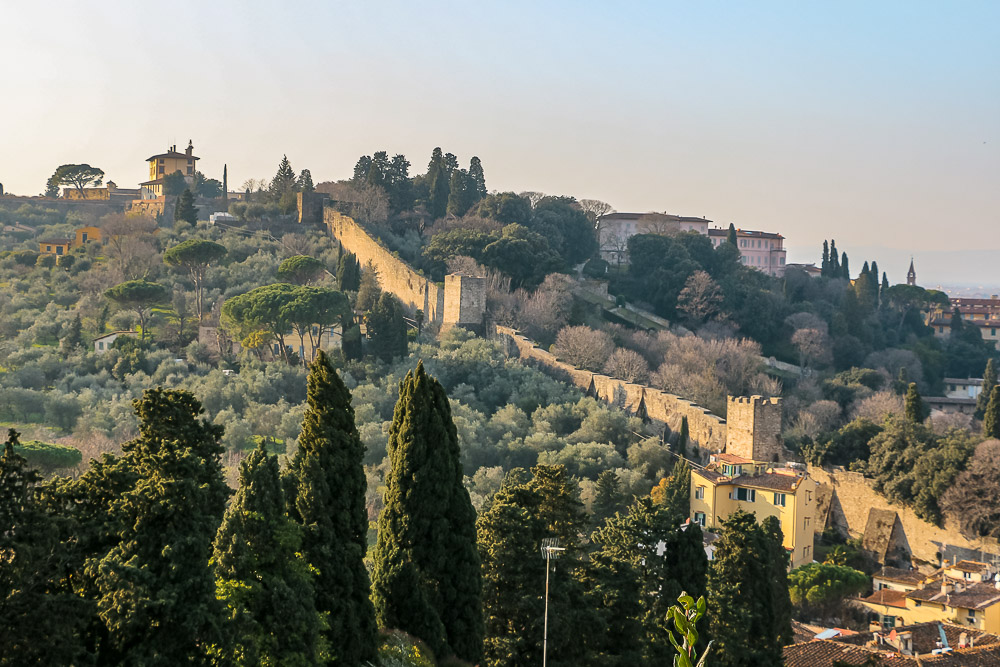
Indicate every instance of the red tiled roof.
{"type": "Point", "coordinates": [826, 652]}
{"type": "Point", "coordinates": [900, 575]}
{"type": "Point", "coordinates": [730, 458]}
{"type": "Point", "coordinates": [972, 596]}
{"type": "Point", "coordinates": [887, 597]}
{"type": "Point", "coordinates": [173, 154]}
{"type": "Point", "coordinates": [57, 241]}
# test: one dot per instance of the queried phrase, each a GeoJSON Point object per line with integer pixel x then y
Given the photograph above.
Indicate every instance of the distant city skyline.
{"type": "Point", "coordinates": [877, 124]}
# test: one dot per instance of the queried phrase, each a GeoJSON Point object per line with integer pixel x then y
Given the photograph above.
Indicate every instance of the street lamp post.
{"type": "Point", "coordinates": [550, 551]}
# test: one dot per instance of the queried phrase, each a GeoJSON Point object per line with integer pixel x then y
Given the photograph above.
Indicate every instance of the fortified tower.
{"type": "Point", "coordinates": [753, 428]}
{"type": "Point", "coordinates": [464, 301]}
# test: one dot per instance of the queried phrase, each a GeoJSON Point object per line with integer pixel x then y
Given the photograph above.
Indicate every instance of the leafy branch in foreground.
{"type": "Point", "coordinates": [685, 617]}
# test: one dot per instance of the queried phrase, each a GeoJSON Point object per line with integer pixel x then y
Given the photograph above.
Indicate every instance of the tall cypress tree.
{"type": "Point", "coordinates": [874, 278]}
{"type": "Point", "coordinates": [885, 281]}
{"type": "Point", "coordinates": [740, 596]}
{"type": "Point", "coordinates": [262, 579]}
{"type": "Point", "coordinates": [325, 486]}
{"type": "Point", "coordinates": [438, 180]}
{"type": "Point", "coordinates": [825, 266]}
{"type": "Point", "coordinates": [989, 381]}
{"type": "Point", "coordinates": [478, 178]}
{"type": "Point", "coordinates": [991, 418]}
{"type": "Point", "coordinates": [157, 574]}
{"type": "Point", "coordinates": [914, 405]}
{"type": "Point", "coordinates": [777, 562]}
{"type": "Point", "coordinates": [845, 268]}
{"type": "Point", "coordinates": [834, 260]}
{"type": "Point", "coordinates": [426, 578]}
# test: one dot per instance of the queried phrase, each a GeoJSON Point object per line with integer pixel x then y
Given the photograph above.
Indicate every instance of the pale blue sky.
{"type": "Point", "coordinates": [874, 122]}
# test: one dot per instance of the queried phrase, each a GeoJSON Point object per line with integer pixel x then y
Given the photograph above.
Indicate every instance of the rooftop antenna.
{"type": "Point", "coordinates": [550, 551]}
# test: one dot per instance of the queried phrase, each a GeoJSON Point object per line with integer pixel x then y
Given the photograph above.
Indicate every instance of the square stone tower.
{"type": "Point", "coordinates": [753, 428]}
{"type": "Point", "coordinates": [464, 301]}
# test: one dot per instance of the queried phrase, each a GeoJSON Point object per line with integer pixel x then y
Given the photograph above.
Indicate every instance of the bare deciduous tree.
{"type": "Point", "coordinates": [583, 347]}
{"type": "Point", "coordinates": [813, 346]}
{"type": "Point", "coordinates": [128, 244]}
{"type": "Point", "coordinates": [878, 406]}
{"type": "Point", "coordinates": [701, 297]}
{"type": "Point", "coordinates": [974, 497]}
{"type": "Point", "coordinates": [627, 365]}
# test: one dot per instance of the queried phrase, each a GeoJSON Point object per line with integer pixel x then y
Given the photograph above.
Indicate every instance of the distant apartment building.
{"type": "Point", "coordinates": [615, 229]}
{"type": "Point", "coordinates": [764, 251]}
{"type": "Point", "coordinates": [981, 313]}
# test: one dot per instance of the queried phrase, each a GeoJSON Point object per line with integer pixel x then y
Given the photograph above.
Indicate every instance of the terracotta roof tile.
{"type": "Point", "coordinates": [887, 597]}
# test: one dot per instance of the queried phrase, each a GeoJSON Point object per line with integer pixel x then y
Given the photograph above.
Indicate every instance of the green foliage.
{"type": "Point", "coordinates": [299, 269]}
{"type": "Point", "coordinates": [426, 577]}
{"type": "Point", "coordinates": [847, 445]}
{"type": "Point", "coordinates": [386, 328]}
{"type": "Point", "coordinates": [565, 227]}
{"type": "Point", "coordinates": [326, 496]}
{"type": "Point", "coordinates": [284, 181]}
{"type": "Point", "coordinates": [674, 493]}
{"type": "Point", "coordinates": [913, 466]}
{"type": "Point", "coordinates": [524, 511]}
{"type": "Point", "coordinates": [262, 580]}
{"type": "Point", "coordinates": [991, 416]}
{"type": "Point", "coordinates": [986, 391]}
{"type": "Point", "coordinates": [685, 619]}
{"type": "Point", "coordinates": [174, 184]}
{"type": "Point", "coordinates": [138, 296]}
{"type": "Point", "coordinates": [40, 616]}
{"type": "Point", "coordinates": [305, 182]}
{"type": "Point", "coordinates": [747, 618]}
{"type": "Point", "coordinates": [156, 570]}
{"type": "Point", "coordinates": [186, 209]}
{"type": "Point", "coordinates": [348, 272]}
{"type": "Point", "coordinates": [821, 588]}
{"type": "Point", "coordinates": [608, 498]}
{"type": "Point", "coordinates": [48, 457]}
{"type": "Point", "coordinates": [651, 554]}
{"type": "Point", "coordinates": [915, 410]}
{"type": "Point", "coordinates": [505, 207]}
{"type": "Point", "coordinates": [195, 256]}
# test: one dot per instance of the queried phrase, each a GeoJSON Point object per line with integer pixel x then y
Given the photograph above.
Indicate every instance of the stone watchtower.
{"type": "Point", "coordinates": [464, 301]}
{"type": "Point", "coordinates": [753, 428]}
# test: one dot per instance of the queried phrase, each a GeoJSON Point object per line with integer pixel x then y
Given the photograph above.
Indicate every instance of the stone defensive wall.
{"type": "Point", "coordinates": [846, 498]}
{"type": "Point", "coordinates": [706, 430]}
{"type": "Point", "coordinates": [97, 207]}
{"type": "Point", "coordinates": [394, 275]}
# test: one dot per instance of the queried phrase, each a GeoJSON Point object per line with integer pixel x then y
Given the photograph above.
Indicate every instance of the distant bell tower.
{"type": "Point", "coordinates": [911, 275]}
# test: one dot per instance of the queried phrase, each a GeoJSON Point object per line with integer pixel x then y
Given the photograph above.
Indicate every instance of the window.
{"type": "Point", "coordinates": [782, 261]}
{"type": "Point", "coordinates": [748, 495]}
{"type": "Point", "coordinates": [100, 345]}
{"type": "Point", "coordinates": [699, 493]}
{"type": "Point", "coordinates": [807, 552]}
{"type": "Point", "coordinates": [779, 499]}
{"type": "Point", "coordinates": [190, 170]}
{"type": "Point", "coordinates": [967, 575]}
{"type": "Point", "coordinates": [888, 623]}
{"type": "Point", "coordinates": [699, 518]}
{"type": "Point", "coordinates": [918, 603]}
{"type": "Point", "coordinates": [809, 496]}
{"type": "Point", "coordinates": [806, 522]}
{"type": "Point", "coordinates": [48, 248]}
{"type": "Point", "coordinates": [83, 237]}
{"type": "Point", "coordinates": [953, 387]}
{"type": "Point", "coordinates": [59, 250]}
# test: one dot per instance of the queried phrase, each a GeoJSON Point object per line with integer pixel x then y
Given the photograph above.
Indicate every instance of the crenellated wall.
{"type": "Point", "coordinates": [394, 275]}
{"type": "Point", "coordinates": [706, 430]}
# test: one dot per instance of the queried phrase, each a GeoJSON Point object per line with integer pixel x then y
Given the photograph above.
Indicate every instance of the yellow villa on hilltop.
{"type": "Point", "coordinates": [749, 476]}
{"type": "Point", "coordinates": [731, 482]}
{"type": "Point", "coordinates": [164, 164]}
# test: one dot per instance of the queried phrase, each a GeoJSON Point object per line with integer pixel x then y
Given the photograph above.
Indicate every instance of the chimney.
{"type": "Point", "coordinates": [190, 149]}
{"type": "Point", "coordinates": [946, 588]}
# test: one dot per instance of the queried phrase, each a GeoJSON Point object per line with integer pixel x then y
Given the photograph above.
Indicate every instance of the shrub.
{"type": "Point", "coordinates": [49, 457]}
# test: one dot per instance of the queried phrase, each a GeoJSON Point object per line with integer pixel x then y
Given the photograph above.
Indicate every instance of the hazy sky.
{"type": "Point", "coordinates": [877, 123]}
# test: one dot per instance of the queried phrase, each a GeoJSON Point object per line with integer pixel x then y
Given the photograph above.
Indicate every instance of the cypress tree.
{"type": "Point", "coordinates": [348, 272]}
{"type": "Point", "coordinates": [426, 577]}
{"type": "Point", "coordinates": [825, 266]}
{"type": "Point", "coordinates": [741, 598]}
{"type": "Point", "coordinates": [914, 405]}
{"type": "Point", "coordinates": [225, 182]}
{"type": "Point", "coordinates": [731, 235]}
{"type": "Point", "coordinates": [777, 562]}
{"type": "Point", "coordinates": [438, 180]}
{"type": "Point", "coordinates": [386, 328]}
{"type": "Point", "coordinates": [262, 579]}
{"type": "Point", "coordinates": [991, 418]}
{"type": "Point", "coordinates": [186, 210]}
{"type": "Point", "coordinates": [864, 269]}
{"type": "Point", "coordinates": [834, 260]}
{"type": "Point", "coordinates": [845, 269]}
{"type": "Point", "coordinates": [989, 381]}
{"type": "Point", "coordinates": [478, 179]}
{"type": "Point", "coordinates": [885, 281]}
{"type": "Point", "coordinates": [325, 486]}
{"type": "Point", "coordinates": [874, 279]}
{"type": "Point", "coordinates": [157, 572]}
{"type": "Point", "coordinates": [73, 338]}
{"type": "Point", "coordinates": [682, 438]}
{"type": "Point", "coordinates": [608, 497]}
